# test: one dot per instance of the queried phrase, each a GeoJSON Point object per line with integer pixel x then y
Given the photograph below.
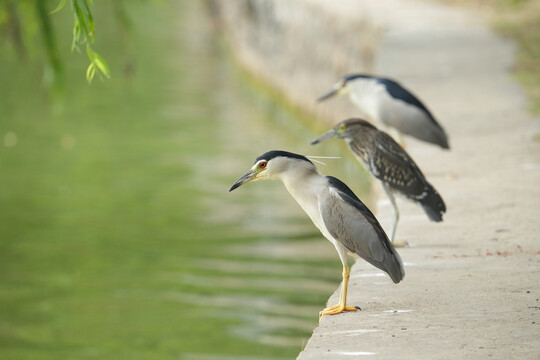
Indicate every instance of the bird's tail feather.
{"type": "Point", "coordinates": [433, 205]}
{"type": "Point", "coordinates": [395, 267]}
{"type": "Point", "coordinates": [390, 264]}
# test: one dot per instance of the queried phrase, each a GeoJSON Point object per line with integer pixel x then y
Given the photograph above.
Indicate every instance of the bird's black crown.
{"type": "Point", "coordinates": [276, 153]}
{"type": "Point", "coordinates": [350, 77]}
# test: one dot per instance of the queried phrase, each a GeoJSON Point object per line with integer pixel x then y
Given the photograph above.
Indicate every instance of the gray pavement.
{"type": "Point", "coordinates": [471, 289]}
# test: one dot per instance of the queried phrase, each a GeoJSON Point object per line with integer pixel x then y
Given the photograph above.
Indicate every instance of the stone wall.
{"type": "Point", "coordinates": [299, 48]}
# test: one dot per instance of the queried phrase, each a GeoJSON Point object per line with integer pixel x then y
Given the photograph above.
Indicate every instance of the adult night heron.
{"type": "Point", "coordinates": [335, 210]}
{"type": "Point", "coordinates": [385, 101]}
{"type": "Point", "coordinates": [390, 164]}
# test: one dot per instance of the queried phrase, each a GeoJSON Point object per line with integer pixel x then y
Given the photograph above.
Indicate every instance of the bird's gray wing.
{"type": "Point", "coordinates": [404, 111]}
{"type": "Point", "coordinates": [351, 223]}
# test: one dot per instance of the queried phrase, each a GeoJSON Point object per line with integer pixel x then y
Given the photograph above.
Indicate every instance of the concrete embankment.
{"type": "Point", "coordinates": [471, 289]}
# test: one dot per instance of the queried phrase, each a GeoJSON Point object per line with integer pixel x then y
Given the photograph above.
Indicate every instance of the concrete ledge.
{"type": "Point", "coordinates": [471, 289]}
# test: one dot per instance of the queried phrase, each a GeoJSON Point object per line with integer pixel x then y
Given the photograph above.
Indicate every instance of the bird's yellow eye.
{"type": "Point", "coordinates": [262, 164]}
{"type": "Point", "coordinates": [342, 127]}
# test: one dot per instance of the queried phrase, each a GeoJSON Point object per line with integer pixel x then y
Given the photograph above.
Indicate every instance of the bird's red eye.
{"type": "Point", "coordinates": [262, 164]}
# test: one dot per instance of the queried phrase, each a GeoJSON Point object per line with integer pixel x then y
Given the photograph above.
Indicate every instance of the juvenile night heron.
{"type": "Point", "coordinates": [385, 101]}
{"type": "Point", "coordinates": [335, 210]}
{"type": "Point", "coordinates": [390, 164]}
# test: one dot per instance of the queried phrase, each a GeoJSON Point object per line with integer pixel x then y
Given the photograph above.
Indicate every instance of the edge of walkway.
{"type": "Point", "coordinates": [471, 289]}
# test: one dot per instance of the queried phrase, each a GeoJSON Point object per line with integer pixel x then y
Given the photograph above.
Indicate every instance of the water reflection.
{"type": "Point", "coordinates": [118, 236]}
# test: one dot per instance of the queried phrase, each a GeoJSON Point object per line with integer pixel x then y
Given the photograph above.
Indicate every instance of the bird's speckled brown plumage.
{"type": "Point", "coordinates": [383, 157]}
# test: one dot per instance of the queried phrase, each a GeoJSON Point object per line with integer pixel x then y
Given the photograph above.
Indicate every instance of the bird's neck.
{"type": "Point", "coordinates": [365, 94]}
{"type": "Point", "coordinates": [299, 177]}
{"type": "Point", "coordinates": [359, 147]}
{"type": "Point", "coordinates": [304, 185]}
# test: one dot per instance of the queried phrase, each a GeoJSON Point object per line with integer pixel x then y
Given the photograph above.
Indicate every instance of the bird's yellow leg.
{"type": "Point", "coordinates": [341, 306]}
{"type": "Point", "coordinates": [400, 244]}
{"type": "Point", "coordinates": [400, 139]}
{"type": "Point", "coordinates": [392, 199]}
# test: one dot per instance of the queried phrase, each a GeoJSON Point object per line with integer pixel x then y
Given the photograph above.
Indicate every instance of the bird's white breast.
{"type": "Point", "coordinates": [305, 190]}
{"type": "Point", "coordinates": [367, 95]}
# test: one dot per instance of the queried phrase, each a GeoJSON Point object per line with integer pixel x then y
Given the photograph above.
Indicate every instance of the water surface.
{"type": "Point", "coordinates": [118, 238]}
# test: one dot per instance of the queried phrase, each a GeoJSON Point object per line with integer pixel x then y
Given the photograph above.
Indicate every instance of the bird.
{"type": "Point", "coordinates": [335, 210]}
{"type": "Point", "coordinates": [385, 101]}
{"type": "Point", "coordinates": [389, 163]}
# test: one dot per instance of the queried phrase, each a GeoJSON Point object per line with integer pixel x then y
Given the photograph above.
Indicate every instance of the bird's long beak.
{"type": "Point", "coordinates": [327, 135]}
{"type": "Point", "coordinates": [328, 95]}
{"type": "Point", "coordinates": [247, 177]}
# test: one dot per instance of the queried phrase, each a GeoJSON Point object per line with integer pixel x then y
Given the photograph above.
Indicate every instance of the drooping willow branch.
{"type": "Point", "coordinates": [84, 36]}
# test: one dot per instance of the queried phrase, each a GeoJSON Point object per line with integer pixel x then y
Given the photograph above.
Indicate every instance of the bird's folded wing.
{"type": "Point", "coordinates": [350, 222]}
{"type": "Point", "coordinates": [395, 167]}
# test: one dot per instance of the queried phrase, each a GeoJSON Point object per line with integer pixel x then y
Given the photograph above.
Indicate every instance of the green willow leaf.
{"type": "Point", "coordinates": [89, 17]}
{"type": "Point", "coordinates": [90, 52]}
{"type": "Point", "coordinates": [76, 36]}
{"type": "Point", "coordinates": [83, 24]}
{"type": "Point", "coordinates": [59, 7]}
{"type": "Point", "coordinates": [90, 72]}
{"type": "Point", "coordinates": [102, 65]}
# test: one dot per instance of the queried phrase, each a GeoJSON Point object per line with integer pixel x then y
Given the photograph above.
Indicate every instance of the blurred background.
{"type": "Point", "coordinates": [118, 238]}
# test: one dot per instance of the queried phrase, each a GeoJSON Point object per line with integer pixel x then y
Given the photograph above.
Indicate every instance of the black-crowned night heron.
{"type": "Point", "coordinates": [390, 164]}
{"type": "Point", "coordinates": [386, 102]}
{"type": "Point", "coordinates": [335, 210]}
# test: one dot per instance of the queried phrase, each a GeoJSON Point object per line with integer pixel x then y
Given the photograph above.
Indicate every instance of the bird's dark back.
{"type": "Point", "coordinates": [399, 92]}
{"type": "Point", "coordinates": [391, 262]}
{"type": "Point", "coordinates": [394, 88]}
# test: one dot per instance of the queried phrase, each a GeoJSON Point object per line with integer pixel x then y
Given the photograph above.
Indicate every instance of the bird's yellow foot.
{"type": "Point", "coordinates": [336, 309]}
{"type": "Point", "coordinates": [400, 244]}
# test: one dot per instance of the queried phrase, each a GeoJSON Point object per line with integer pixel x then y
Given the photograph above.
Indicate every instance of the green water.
{"type": "Point", "coordinates": [118, 238]}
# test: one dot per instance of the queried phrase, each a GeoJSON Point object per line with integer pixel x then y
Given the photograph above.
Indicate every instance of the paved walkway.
{"type": "Point", "coordinates": [472, 285]}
